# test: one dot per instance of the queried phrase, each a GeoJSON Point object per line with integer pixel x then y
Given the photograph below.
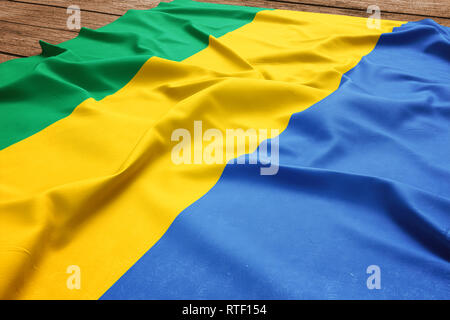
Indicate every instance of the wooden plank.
{"type": "Point", "coordinates": [432, 8]}
{"type": "Point", "coordinates": [6, 57]}
{"type": "Point", "coordinates": [23, 40]}
{"type": "Point", "coordinates": [115, 7]}
{"type": "Point", "coordinates": [33, 22]}
{"type": "Point", "coordinates": [49, 17]}
{"type": "Point", "coordinates": [354, 8]}
{"type": "Point", "coordinates": [320, 9]}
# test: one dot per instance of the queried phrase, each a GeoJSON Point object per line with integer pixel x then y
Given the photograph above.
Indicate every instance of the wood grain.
{"type": "Point", "coordinates": [24, 22]}
{"type": "Point", "coordinates": [49, 17]}
{"type": "Point", "coordinates": [114, 7]}
{"type": "Point", "coordinates": [432, 8]}
{"type": "Point", "coordinates": [23, 40]}
{"type": "Point", "coordinates": [324, 9]}
{"type": "Point", "coordinates": [6, 57]}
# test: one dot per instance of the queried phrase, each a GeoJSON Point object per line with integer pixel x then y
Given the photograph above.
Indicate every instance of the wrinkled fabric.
{"type": "Point", "coordinates": [40, 90]}
{"type": "Point", "coordinates": [98, 189]}
{"type": "Point", "coordinates": [94, 186]}
{"type": "Point", "coordinates": [364, 180]}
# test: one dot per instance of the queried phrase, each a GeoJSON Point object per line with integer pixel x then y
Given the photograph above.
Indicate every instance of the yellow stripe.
{"type": "Point", "coordinates": [98, 188]}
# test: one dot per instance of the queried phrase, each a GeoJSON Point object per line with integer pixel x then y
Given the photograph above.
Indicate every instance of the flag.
{"type": "Point", "coordinates": [206, 151]}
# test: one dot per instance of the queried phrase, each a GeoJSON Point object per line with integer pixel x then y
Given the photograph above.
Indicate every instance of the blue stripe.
{"type": "Point", "coordinates": [364, 180]}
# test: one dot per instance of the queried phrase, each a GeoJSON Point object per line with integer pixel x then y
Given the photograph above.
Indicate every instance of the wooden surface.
{"type": "Point", "coordinates": [24, 22]}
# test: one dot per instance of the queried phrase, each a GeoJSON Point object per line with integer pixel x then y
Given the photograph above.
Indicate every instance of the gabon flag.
{"type": "Point", "coordinates": [206, 151]}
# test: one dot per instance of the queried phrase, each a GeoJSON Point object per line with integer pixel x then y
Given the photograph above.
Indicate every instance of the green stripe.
{"type": "Point", "coordinates": [38, 91]}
